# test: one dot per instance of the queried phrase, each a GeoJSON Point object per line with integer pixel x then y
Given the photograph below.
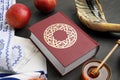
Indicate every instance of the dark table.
{"type": "Point", "coordinates": [105, 39]}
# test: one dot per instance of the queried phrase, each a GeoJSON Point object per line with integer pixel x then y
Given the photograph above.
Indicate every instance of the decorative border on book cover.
{"type": "Point", "coordinates": [71, 35]}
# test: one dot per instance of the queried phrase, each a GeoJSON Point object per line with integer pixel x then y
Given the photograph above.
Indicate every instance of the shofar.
{"type": "Point", "coordinates": [91, 14]}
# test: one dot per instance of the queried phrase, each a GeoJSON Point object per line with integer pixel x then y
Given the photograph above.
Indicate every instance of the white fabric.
{"type": "Point", "coordinates": [6, 34]}
{"type": "Point", "coordinates": [19, 57]}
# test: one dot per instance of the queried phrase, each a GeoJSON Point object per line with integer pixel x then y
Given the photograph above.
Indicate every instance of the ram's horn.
{"type": "Point", "coordinates": [91, 14]}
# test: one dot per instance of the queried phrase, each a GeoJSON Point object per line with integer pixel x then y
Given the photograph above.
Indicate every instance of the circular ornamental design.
{"type": "Point", "coordinates": [60, 35]}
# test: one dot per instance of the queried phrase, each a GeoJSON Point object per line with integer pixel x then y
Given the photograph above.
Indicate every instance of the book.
{"type": "Point", "coordinates": [62, 42]}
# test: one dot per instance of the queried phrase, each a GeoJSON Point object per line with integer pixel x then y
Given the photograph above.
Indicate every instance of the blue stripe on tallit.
{"type": "Point", "coordinates": [5, 74]}
{"type": "Point", "coordinates": [9, 78]}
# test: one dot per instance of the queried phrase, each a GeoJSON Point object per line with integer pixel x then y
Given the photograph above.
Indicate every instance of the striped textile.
{"type": "Point", "coordinates": [20, 59]}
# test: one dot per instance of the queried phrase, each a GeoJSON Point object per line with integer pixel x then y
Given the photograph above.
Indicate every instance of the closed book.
{"type": "Point", "coordinates": [63, 43]}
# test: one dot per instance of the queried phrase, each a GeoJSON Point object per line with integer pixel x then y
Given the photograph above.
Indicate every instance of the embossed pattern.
{"type": "Point", "coordinates": [60, 44]}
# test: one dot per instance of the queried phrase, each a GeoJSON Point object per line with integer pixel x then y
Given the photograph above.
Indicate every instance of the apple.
{"type": "Point", "coordinates": [18, 15]}
{"type": "Point", "coordinates": [45, 6]}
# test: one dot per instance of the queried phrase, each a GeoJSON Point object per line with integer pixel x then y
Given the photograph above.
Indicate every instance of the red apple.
{"type": "Point", "coordinates": [45, 6]}
{"type": "Point", "coordinates": [18, 15]}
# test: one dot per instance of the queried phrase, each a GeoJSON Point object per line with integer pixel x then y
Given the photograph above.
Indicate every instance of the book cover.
{"type": "Point", "coordinates": [63, 43]}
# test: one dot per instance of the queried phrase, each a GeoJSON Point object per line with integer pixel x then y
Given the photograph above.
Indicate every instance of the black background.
{"type": "Point", "coordinates": [106, 39]}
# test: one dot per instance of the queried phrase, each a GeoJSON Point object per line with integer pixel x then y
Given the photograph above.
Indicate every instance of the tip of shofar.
{"type": "Point", "coordinates": [93, 16]}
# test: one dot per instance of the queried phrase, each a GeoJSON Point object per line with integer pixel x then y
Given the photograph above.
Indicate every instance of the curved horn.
{"type": "Point", "coordinates": [91, 14]}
